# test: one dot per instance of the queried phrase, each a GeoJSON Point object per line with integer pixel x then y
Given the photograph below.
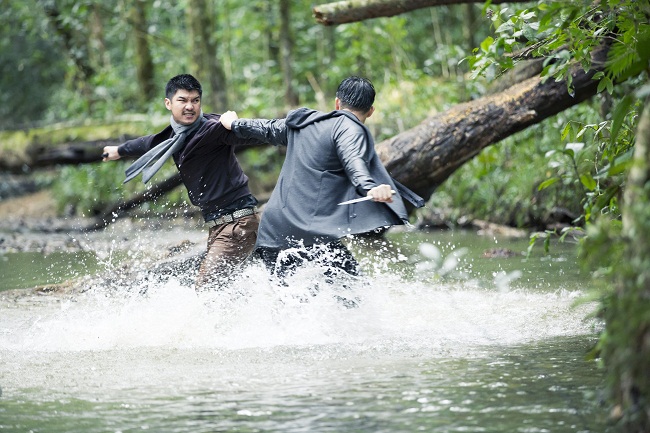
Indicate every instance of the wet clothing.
{"type": "Point", "coordinates": [228, 246]}
{"type": "Point", "coordinates": [334, 256]}
{"type": "Point", "coordinates": [215, 183]}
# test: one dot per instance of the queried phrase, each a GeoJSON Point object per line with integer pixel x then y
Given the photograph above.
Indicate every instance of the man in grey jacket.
{"type": "Point", "coordinates": [330, 158]}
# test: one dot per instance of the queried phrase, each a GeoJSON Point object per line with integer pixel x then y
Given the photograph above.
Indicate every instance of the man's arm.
{"type": "Point", "coordinates": [352, 148]}
{"type": "Point", "coordinates": [136, 147]}
{"type": "Point", "coordinates": [269, 131]}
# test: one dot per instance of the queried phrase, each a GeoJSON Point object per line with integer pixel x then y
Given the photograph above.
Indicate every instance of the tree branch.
{"type": "Point", "coordinates": [349, 11]}
{"type": "Point", "coordinates": [117, 210]}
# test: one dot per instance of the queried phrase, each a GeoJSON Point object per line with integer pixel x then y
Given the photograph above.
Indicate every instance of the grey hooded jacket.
{"type": "Point", "coordinates": [330, 158]}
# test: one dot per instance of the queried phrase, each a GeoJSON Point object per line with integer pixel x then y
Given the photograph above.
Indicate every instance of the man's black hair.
{"type": "Point", "coordinates": [356, 93]}
{"type": "Point", "coordinates": [183, 81]}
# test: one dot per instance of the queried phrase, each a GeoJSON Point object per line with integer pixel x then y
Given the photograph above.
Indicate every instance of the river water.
{"type": "Point", "coordinates": [440, 339]}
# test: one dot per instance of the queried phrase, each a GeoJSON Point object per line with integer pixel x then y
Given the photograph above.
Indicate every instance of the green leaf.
{"type": "Point", "coordinates": [487, 42]}
{"type": "Point", "coordinates": [588, 181]}
{"type": "Point", "coordinates": [547, 183]}
{"type": "Point", "coordinates": [621, 163]}
{"type": "Point", "coordinates": [566, 131]}
{"type": "Point", "coordinates": [643, 44]}
{"type": "Point", "coordinates": [620, 112]}
{"type": "Point", "coordinates": [547, 244]}
{"type": "Point", "coordinates": [568, 152]}
{"type": "Point", "coordinates": [505, 27]}
{"type": "Point", "coordinates": [603, 84]}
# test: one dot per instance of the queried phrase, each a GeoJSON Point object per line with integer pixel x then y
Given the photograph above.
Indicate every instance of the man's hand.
{"type": "Point", "coordinates": [110, 154]}
{"type": "Point", "coordinates": [227, 119]}
{"type": "Point", "coordinates": [382, 193]}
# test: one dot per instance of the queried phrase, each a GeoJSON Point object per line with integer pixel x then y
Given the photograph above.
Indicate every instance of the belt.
{"type": "Point", "coordinates": [228, 218]}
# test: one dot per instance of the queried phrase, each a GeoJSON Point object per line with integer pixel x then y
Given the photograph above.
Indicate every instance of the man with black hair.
{"type": "Point", "coordinates": [330, 158]}
{"type": "Point", "coordinates": [204, 153]}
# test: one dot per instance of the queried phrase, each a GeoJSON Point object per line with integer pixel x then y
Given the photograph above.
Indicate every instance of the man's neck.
{"type": "Point", "coordinates": [362, 118]}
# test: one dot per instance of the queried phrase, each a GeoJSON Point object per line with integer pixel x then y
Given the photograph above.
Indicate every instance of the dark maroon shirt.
{"type": "Point", "coordinates": [208, 166]}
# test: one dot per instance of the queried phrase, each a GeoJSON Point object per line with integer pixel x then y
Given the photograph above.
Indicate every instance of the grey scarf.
{"type": "Point", "coordinates": [147, 163]}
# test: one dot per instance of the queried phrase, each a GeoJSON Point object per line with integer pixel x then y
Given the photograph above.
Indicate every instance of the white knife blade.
{"type": "Point", "coordinates": [356, 200]}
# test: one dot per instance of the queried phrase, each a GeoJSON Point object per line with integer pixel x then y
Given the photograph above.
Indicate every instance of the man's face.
{"type": "Point", "coordinates": [185, 106]}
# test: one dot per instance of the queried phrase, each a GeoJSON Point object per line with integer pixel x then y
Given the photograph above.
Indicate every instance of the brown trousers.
{"type": "Point", "coordinates": [228, 246]}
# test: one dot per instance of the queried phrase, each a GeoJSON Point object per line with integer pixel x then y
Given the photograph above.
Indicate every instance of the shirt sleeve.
{"type": "Point", "coordinates": [136, 147]}
{"type": "Point", "coordinates": [352, 149]}
{"type": "Point", "coordinates": [268, 131]}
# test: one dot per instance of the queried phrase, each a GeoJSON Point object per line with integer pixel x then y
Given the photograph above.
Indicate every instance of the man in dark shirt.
{"type": "Point", "coordinates": [211, 173]}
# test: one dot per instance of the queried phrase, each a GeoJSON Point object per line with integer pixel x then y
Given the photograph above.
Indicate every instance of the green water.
{"type": "Point", "coordinates": [30, 269]}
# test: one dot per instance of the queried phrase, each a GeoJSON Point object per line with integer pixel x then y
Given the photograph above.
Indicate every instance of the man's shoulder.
{"type": "Point", "coordinates": [212, 117]}
{"type": "Point", "coordinates": [303, 117]}
{"type": "Point", "coordinates": [349, 123]}
{"type": "Point", "coordinates": [211, 122]}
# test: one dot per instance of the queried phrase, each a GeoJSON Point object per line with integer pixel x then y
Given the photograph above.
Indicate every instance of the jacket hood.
{"type": "Point", "coordinates": [302, 117]}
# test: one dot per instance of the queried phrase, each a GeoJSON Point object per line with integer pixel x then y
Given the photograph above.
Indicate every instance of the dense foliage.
{"type": "Point", "coordinates": [608, 159]}
{"type": "Point", "coordinates": [76, 59]}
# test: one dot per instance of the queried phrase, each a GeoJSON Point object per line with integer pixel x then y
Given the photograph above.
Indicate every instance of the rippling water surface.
{"type": "Point", "coordinates": [441, 340]}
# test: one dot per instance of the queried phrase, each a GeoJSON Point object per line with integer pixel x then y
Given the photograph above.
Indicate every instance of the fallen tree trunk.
{"type": "Point", "coordinates": [425, 156]}
{"type": "Point", "coordinates": [40, 153]}
{"type": "Point", "coordinates": [349, 11]}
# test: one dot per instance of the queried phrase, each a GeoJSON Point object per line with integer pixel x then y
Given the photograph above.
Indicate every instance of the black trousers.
{"type": "Point", "coordinates": [334, 256]}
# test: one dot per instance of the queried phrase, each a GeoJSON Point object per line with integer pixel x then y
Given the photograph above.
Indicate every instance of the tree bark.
{"type": "Point", "coordinates": [143, 60]}
{"type": "Point", "coordinates": [350, 11]}
{"type": "Point", "coordinates": [425, 156]}
{"type": "Point", "coordinates": [203, 44]}
{"type": "Point", "coordinates": [37, 155]}
{"type": "Point", "coordinates": [286, 50]}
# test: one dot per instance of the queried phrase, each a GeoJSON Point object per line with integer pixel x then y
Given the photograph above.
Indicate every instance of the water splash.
{"type": "Point", "coordinates": [389, 313]}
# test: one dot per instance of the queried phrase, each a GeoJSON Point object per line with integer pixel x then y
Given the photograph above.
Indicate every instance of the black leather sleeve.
{"type": "Point", "coordinates": [269, 131]}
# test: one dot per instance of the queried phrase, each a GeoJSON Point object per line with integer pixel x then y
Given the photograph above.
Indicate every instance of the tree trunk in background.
{"type": "Point", "coordinates": [437, 36]}
{"type": "Point", "coordinates": [206, 66]}
{"type": "Point", "coordinates": [286, 50]}
{"type": "Point", "coordinates": [358, 10]}
{"type": "Point", "coordinates": [98, 52]}
{"type": "Point", "coordinates": [426, 155]}
{"type": "Point", "coordinates": [76, 48]}
{"type": "Point", "coordinates": [627, 347]}
{"type": "Point", "coordinates": [143, 61]}
{"type": "Point", "coordinates": [469, 27]}
{"type": "Point", "coordinates": [273, 51]}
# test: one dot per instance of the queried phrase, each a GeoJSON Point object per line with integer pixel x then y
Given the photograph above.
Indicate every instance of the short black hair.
{"type": "Point", "coordinates": [356, 93]}
{"type": "Point", "coordinates": [183, 81]}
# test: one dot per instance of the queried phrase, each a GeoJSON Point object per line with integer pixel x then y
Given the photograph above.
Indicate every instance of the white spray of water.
{"type": "Point", "coordinates": [390, 314]}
